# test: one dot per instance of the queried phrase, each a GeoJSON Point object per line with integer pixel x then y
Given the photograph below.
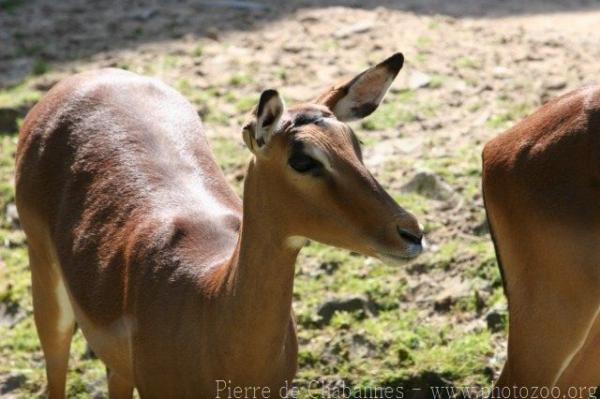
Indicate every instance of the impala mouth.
{"type": "Point", "coordinates": [394, 260]}
{"type": "Point", "coordinates": [412, 252]}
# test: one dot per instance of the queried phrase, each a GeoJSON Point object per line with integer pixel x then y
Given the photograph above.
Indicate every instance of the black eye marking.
{"type": "Point", "coordinates": [303, 163]}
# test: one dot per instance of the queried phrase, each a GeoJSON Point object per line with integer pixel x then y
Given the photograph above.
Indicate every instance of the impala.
{"type": "Point", "coordinates": [135, 236]}
{"type": "Point", "coordinates": [541, 183]}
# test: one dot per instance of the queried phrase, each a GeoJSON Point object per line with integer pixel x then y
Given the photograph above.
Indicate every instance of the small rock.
{"type": "Point", "coordinates": [213, 34]}
{"type": "Point", "coordinates": [44, 84]}
{"type": "Point", "coordinates": [362, 347]}
{"type": "Point", "coordinates": [404, 356]}
{"type": "Point", "coordinates": [143, 14]}
{"type": "Point", "coordinates": [293, 47]}
{"type": "Point", "coordinates": [349, 304]}
{"type": "Point", "coordinates": [500, 72]}
{"type": "Point", "coordinates": [235, 4]}
{"type": "Point", "coordinates": [14, 71]}
{"type": "Point", "coordinates": [482, 228]}
{"type": "Point", "coordinates": [417, 79]}
{"type": "Point", "coordinates": [12, 382]}
{"type": "Point", "coordinates": [9, 310]}
{"type": "Point", "coordinates": [455, 290]}
{"type": "Point", "coordinates": [556, 84]}
{"type": "Point", "coordinates": [89, 353]}
{"type": "Point", "coordinates": [309, 18]}
{"type": "Point", "coordinates": [482, 117]}
{"type": "Point", "coordinates": [484, 87]}
{"type": "Point", "coordinates": [329, 267]}
{"type": "Point", "coordinates": [429, 185]}
{"type": "Point", "coordinates": [360, 27]}
{"type": "Point", "coordinates": [443, 304]}
{"type": "Point", "coordinates": [11, 242]}
{"type": "Point", "coordinates": [3, 278]}
{"type": "Point", "coordinates": [421, 386]}
{"type": "Point", "coordinates": [8, 119]}
{"type": "Point", "coordinates": [12, 215]}
{"type": "Point", "coordinates": [479, 302]}
{"type": "Point", "coordinates": [495, 320]}
{"type": "Point", "coordinates": [417, 268]}
{"type": "Point", "coordinates": [489, 373]}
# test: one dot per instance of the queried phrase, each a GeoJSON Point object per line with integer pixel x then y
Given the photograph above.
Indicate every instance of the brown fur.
{"type": "Point", "coordinates": [121, 200]}
{"type": "Point", "coordinates": [541, 183]}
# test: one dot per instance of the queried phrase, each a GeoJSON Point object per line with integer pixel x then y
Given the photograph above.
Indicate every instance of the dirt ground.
{"type": "Point", "coordinates": [473, 68]}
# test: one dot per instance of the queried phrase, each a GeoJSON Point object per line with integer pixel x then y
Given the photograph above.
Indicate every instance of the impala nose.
{"type": "Point", "coordinates": [415, 238]}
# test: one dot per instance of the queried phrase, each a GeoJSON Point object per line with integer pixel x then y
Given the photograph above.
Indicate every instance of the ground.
{"type": "Point", "coordinates": [472, 70]}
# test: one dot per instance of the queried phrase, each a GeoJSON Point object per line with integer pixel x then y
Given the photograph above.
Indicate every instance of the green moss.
{"type": "Point", "coordinates": [245, 104]}
{"type": "Point", "coordinates": [240, 79]}
{"type": "Point", "coordinates": [21, 95]}
{"type": "Point", "coordinates": [510, 112]}
{"type": "Point", "coordinates": [462, 357]}
{"type": "Point", "coordinates": [40, 67]}
{"type": "Point", "coordinates": [437, 81]}
{"type": "Point", "coordinates": [198, 50]}
{"type": "Point", "coordinates": [468, 62]}
{"type": "Point", "coordinates": [171, 61]}
{"type": "Point", "coordinates": [446, 254]}
{"type": "Point", "coordinates": [8, 146]}
{"type": "Point", "coordinates": [399, 109]}
{"type": "Point", "coordinates": [423, 41]}
{"type": "Point", "coordinates": [10, 5]}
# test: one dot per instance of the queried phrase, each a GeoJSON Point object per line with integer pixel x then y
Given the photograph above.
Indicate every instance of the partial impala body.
{"type": "Point", "coordinates": [135, 235]}
{"type": "Point", "coordinates": [541, 183]}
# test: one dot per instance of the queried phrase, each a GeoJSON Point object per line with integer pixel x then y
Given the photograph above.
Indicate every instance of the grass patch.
{"type": "Point", "coordinates": [40, 67]}
{"type": "Point", "coordinates": [10, 5]}
{"type": "Point", "coordinates": [468, 63]}
{"type": "Point", "coordinates": [198, 50]}
{"type": "Point", "coordinates": [20, 95]}
{"type": "Point", "coordinates": [397, 109]}
{"type": "Point", "coordinates": [240, 79]}
{"type": "Point", "coordinates": [513, 112]}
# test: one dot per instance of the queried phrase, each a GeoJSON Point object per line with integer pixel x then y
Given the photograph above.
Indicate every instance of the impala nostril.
{"type": "Point", "coordinates": [410, 237]}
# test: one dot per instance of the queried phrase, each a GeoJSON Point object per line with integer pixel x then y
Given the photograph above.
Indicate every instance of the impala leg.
{"type": "Point", "coordinates": [582, 376]}
{"type": "Point", "coordinates": [54, 320]}
{"type": "Point", "coordinates": [540, 347]}
{"type": "Point", "coordinates": [551, 316]}
{"type": "Point", "coordinates": [118, 388]}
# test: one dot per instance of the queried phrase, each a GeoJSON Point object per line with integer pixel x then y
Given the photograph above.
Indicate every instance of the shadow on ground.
{"type": "Point", "coordinates": [45, 31]}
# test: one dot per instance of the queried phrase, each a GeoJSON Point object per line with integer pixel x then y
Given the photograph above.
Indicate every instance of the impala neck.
{"type": "Point", "coordinates": [261, 277]}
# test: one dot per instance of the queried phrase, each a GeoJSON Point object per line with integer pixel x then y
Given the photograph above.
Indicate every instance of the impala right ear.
{"type": "Point", "coordinates": [263, 121]}
{"type": "Point", "coordinates": [361, 95]}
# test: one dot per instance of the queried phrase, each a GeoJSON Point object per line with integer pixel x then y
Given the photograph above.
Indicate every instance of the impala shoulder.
{"type": "Point", "coordinates": [498, 152]}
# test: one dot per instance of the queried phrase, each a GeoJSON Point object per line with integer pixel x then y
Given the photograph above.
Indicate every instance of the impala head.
{"type": "Point", "coordinates": [309, 166]}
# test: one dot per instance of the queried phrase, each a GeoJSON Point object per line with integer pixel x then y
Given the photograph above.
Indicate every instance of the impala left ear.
{"type": "Point", "coordinates": [360, 96]}
{"type": "Point", "coordinates": [263, 121]}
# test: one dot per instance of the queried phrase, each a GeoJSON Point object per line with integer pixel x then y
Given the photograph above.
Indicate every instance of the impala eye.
{"type": "Point", "coordinates": [302, 163]}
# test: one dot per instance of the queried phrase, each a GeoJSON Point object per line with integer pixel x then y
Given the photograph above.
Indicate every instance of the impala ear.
{"type": "Point", "coordinates": [263, 120]}
{"type": "Point", "coordinates": [360, 96]}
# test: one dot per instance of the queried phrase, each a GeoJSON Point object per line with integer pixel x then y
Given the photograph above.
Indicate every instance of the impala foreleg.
{"type": "Point", "coordinates": [54, 320]}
